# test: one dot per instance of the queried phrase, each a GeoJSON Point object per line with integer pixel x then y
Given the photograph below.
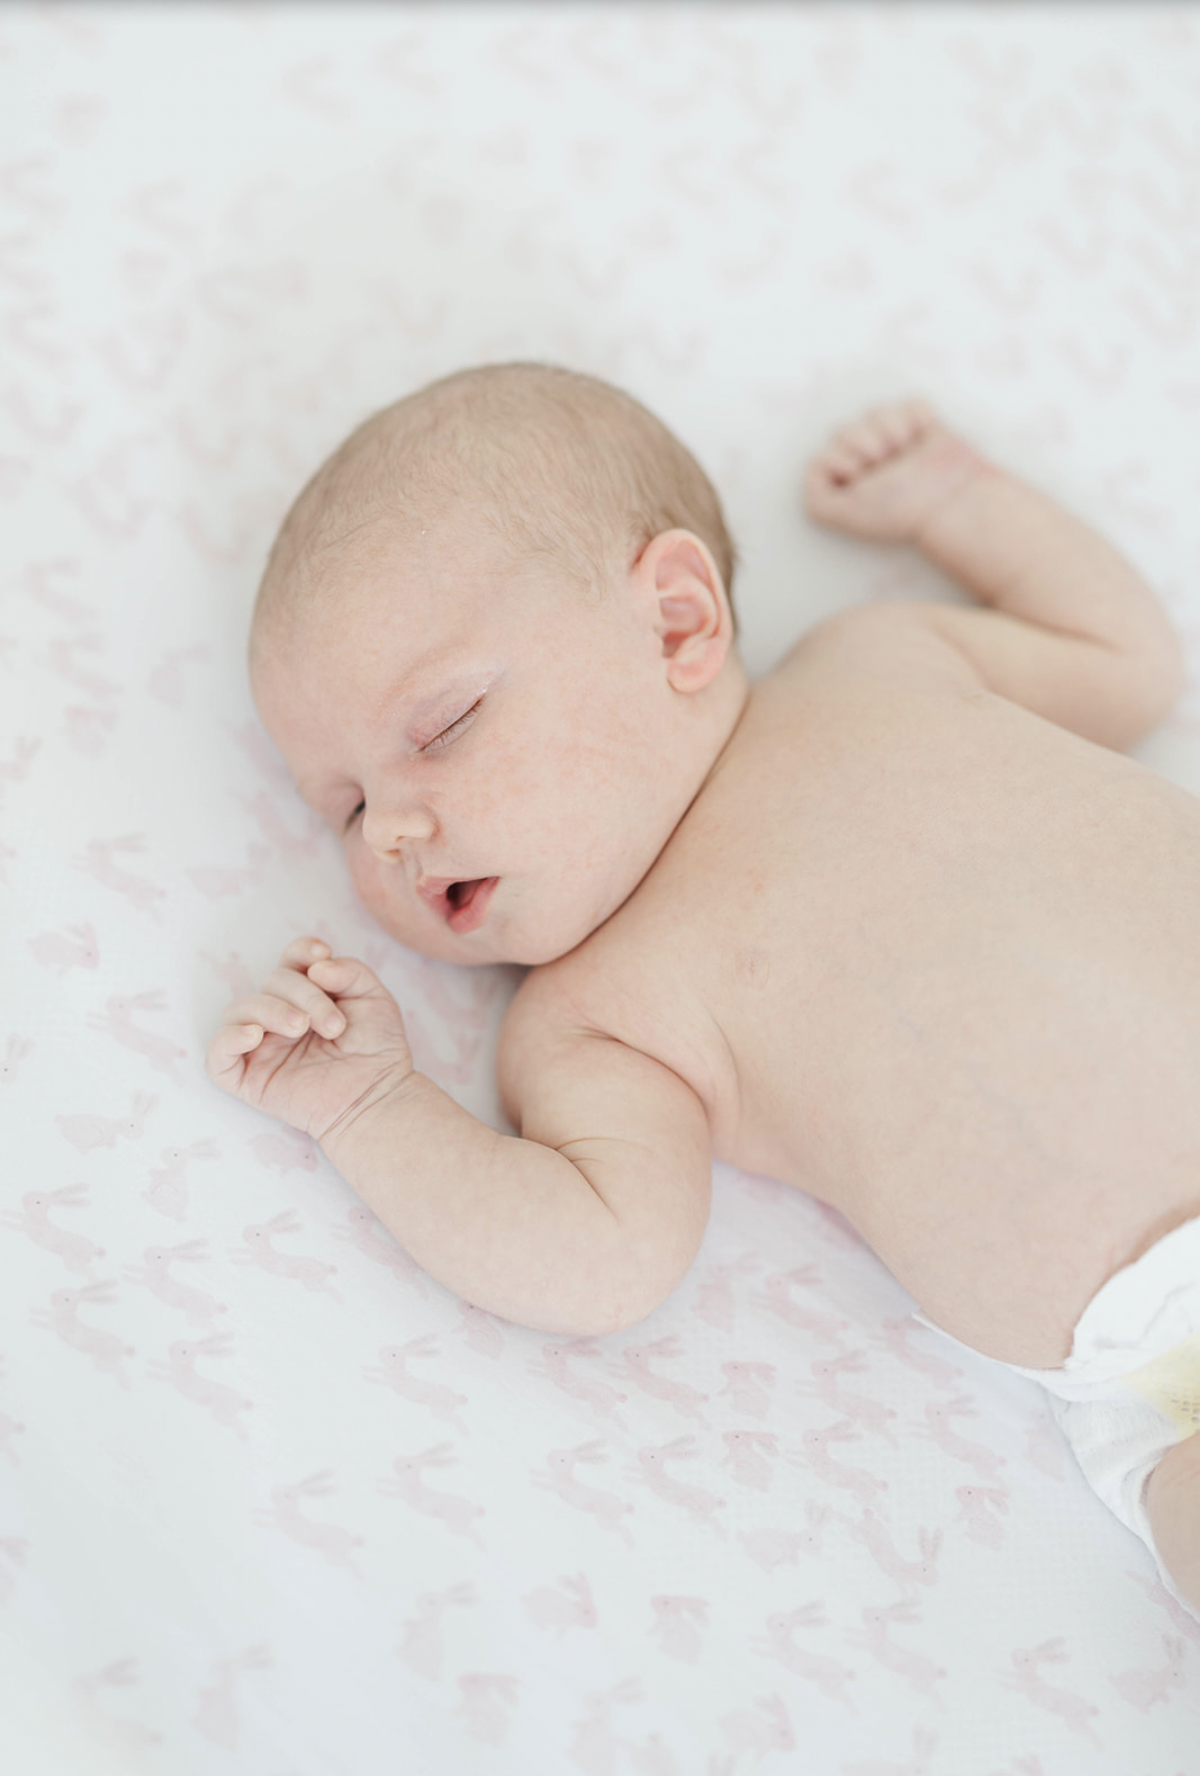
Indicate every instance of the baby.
{"type": "Point", "coordinates": [897, 924]}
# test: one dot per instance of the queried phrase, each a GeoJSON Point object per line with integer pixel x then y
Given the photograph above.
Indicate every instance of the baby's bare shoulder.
{"type": "Point", "coordinates": [908, 641]}
{"type": "Point", "coordinates": [648, 978]}
{"type": "Point", "coordinates": [1108, 694]}
{"type": "Point", "coordinates": [564, 1004]}
{"type": "Point", "coordinates": [633, 986]}
{"type": "Point", "coordinates": [831, 677]}
{"type": "Point", "coordinates": [574, 1041]}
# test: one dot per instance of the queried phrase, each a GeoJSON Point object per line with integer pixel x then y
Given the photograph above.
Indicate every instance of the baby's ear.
{"type": "Point", "coordinates": [690, 611]}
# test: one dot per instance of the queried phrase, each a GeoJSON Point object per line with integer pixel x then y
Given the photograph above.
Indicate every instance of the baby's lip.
{"type": "Point", "coordinates": [466, 909]}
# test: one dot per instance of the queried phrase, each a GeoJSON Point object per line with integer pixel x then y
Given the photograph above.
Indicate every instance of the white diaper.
{"type": "Point", "coordinates": [1130, 1388]}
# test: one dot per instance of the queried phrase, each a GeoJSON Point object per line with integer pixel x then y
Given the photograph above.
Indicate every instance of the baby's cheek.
{"type": "Point", "coordinates": [387, 902]}
{"type": "Point", "coordinates": [366, 879]}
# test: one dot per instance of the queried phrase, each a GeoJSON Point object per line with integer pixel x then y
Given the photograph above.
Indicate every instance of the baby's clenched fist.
{"type": "Point", "coordinates": [322, 1041]}
{"type": "Point", "coordinates": [887, 474]}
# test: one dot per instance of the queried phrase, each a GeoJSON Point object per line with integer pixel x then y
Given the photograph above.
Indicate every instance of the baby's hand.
{"type": "Point", "coordinates": [322, 1039]}
{"type": "Point", "coordinates": [886, 474]}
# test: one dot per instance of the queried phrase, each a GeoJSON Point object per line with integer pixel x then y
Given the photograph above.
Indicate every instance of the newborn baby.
{"type": "Point", "coordinates": [897, 924]}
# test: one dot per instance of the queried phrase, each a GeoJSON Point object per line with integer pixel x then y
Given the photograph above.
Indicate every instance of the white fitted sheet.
{"type": "Point", "coordinates": [274, 1502]}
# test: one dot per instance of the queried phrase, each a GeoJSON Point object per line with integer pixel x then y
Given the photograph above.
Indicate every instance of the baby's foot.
{"type": "Point", "coordinates": [886, 474]}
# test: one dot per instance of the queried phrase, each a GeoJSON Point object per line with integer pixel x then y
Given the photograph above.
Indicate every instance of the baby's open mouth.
{"type": "Point", "coordinates": [463, 904]}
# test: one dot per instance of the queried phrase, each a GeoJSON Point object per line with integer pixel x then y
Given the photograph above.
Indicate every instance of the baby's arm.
{"type": "Point", "coordinates": [585, 1225]}
{"type": "Point", "coordinates": [1073, 631]}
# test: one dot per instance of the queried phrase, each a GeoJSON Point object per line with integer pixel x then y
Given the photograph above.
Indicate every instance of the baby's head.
{"type": "Point", "coordinates": [494, 642]}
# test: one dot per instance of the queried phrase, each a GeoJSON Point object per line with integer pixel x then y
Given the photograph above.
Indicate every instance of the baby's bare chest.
{"type": "Point", "coordinates": [938, 974]}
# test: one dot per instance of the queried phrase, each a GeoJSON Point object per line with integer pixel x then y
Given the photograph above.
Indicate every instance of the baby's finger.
{"type": "Point", "coordinates": [223, 1062]}
{"type": "Point", "coordinates": [824, 490]}
{"type": "Point", "coordinates": [304, 951]}
{"type": "Point", "coordinates": [875, 439]}
{"type": "Point", "coordinates": [298, 990]}
{"type": "Point", "coordinates": [345, 977]}
{"type": "Point", "coordinates": [274, 1014]}
{"type": "Point", "coordinates": [825, 476]}
{"type": "Point", "coordinates": [895, 430]}
{"type": "Point", "coordinates": [848, 453]}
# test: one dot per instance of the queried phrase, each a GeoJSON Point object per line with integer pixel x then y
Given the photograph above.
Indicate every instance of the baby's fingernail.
{"type": "Point", "coordinates": [296, 1020]}
{"type": "Point", "coordinates": [333, 1026]}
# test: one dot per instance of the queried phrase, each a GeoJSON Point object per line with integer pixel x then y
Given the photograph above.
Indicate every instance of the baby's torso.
{"type": "Point", "coordinates": [937, 962]}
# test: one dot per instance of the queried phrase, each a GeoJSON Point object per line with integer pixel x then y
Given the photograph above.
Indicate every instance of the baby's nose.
{"type": "Point", "coordinates": [387, 828]}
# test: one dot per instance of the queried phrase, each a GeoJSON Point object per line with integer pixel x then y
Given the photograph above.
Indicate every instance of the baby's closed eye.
{"type": "Point", "coordinates": [444, 737]}
{"type": "Point", "coordinates": [455, 728]}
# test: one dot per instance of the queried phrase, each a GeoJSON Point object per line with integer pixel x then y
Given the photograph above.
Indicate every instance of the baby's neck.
{"type": "Point", "coordinates": [732, 693]}
{"type": "Point", "coordinates": [716, 722]}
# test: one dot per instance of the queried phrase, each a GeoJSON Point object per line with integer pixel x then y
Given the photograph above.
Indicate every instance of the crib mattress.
{"type": "Point", "coordinates": [271, 1500]}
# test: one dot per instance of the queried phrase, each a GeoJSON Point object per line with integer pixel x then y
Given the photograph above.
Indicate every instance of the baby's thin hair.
{"type": "Point", "coordinates": [554, 462]}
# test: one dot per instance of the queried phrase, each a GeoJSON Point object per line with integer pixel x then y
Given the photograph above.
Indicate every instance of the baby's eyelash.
{"type": "Point", "coordinates": [452, 732]}
{"type": "Point", "coordinates": [353, 816]}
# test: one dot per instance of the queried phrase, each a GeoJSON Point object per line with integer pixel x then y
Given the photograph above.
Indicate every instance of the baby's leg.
{"type": "Point", "coordinates": [1173, 1507]}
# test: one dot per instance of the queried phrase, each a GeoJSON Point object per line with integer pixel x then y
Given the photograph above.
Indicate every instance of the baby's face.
{"type": "Point", "coordinates": [499, 753]}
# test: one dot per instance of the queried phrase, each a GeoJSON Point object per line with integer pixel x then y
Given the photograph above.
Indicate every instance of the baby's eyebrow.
{"type": "Point", "coordinates": [422, 709]}
{"type": "Point", "coordinates": [416, 711]}
{"type": "Point", "coordinates": [464, 686]}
